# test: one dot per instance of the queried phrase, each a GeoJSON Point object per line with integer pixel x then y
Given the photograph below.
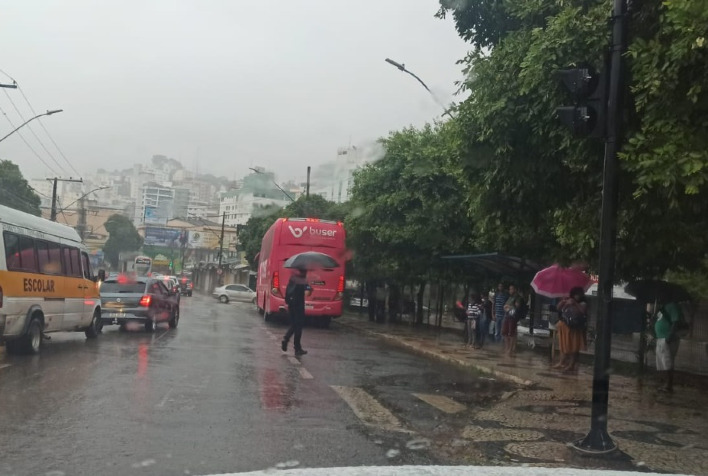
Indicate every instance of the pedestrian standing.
{"type": "Point", "coordinates": [295, 294]}
{"type": "Point", "coordinates": [500, 298]}
{"type": "Point", "coordinates": [667, 342]}
{"type": "Point", "coordinates": [571, 329]}
{"type": "Point", "coordinates": [474, 311]}
{"type": "Point", "coordinates": [516, 310]}
{"type": "Point", "coordinates": [484, 318]}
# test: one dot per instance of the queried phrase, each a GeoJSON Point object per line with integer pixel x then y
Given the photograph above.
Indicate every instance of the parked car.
{"type": "Point", "coordinates": [235, 292]}
{"type": "Point", "coordinates": [145, 300]}
{"type": "Point", "coordinates": [186, 286]}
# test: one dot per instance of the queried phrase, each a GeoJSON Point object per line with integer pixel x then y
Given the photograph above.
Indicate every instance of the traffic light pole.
{"type": "Point", "coordinates": [598, 440]}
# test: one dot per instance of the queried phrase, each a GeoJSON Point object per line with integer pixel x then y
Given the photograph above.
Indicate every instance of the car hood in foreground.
{"type": "Point", "coordinates": [280, 470]}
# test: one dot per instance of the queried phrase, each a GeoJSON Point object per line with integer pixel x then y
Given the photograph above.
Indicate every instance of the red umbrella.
{"type": "Point", "coordinates": [556, 281]}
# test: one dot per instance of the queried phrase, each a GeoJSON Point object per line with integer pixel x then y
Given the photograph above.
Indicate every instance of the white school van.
{"type": "Point", "coordinates": [46, 282]}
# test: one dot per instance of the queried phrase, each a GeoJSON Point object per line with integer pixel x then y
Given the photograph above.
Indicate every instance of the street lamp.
{"type": "Point", "coordinates": [48, 113]}
{"type": "Point", "coordinates": [402, 67]}
{"type": "Point", "coordinates": [260, 172]}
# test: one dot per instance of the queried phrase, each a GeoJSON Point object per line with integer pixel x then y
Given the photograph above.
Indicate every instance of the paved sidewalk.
{"type": "Point", "coordinates": [656, 431]}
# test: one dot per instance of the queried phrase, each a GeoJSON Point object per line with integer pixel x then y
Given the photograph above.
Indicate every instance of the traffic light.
{"type": "Point", "coordinates": [586, 117]}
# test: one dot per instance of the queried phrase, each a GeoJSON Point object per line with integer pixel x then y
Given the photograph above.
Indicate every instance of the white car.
{"type": "Point", "coordinates": [234, 292]}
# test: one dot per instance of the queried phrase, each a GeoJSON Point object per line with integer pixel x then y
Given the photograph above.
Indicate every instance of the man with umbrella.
{"type": "Point", "coordinates": [295, 299]}
{"type": "Point", "coordinates": [298, 289]}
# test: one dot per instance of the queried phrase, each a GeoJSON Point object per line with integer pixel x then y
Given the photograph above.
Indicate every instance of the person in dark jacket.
{"type": "Point", "coordinates": [295, 294]}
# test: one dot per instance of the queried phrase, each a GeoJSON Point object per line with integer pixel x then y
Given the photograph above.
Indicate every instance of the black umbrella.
{"type": "Point", "coordinates": [649, 290]}
{"type": "Point", "coordinates": [311, 260]}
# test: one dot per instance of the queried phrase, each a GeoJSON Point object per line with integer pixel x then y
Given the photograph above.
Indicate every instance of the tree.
{"type": "Point", "coordinates": [409, 208]}
{"type": "Point", "coordinates": [542, 188]}
{"type": "Point", "coordinates": [15, 191]}
{"type": "Point", "coordinates": [122, 236]}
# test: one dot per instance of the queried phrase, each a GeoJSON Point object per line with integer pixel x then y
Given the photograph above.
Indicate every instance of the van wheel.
{"type": "Point", "coordinates": [30, 343]}
{"type": "Point", "coordinates": [174, 321]}
{"type": "Point", "coordinates": [150, 326]}
{"type": "Point", "coordinates": [223, 298]}
{"type": "Point", "coordinates": [95, 327]}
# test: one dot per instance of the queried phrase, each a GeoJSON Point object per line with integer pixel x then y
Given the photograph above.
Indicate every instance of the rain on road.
{"type": "Point", "coordinates": [218, 395]}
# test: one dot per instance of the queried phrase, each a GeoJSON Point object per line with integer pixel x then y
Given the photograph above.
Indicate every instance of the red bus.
{"type": "Point", "coordinates": [288, 237]}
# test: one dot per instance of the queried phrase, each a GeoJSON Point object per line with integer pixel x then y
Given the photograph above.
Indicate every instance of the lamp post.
{"type": "Point", "coordinates": [48, 113]}
{"type": "Point", "coordinates": [274, 183]}
{"type": "Point", "coordinates": [402, 67]}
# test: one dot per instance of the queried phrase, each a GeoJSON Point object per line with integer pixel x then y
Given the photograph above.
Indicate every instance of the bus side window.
{"type": "Point", "coordinates": [54, 266]}
{"type": "Point", "coordinates": [12, 251]}
{"type": "Point", "coordinates": [28, 254]}
{"type": "Point", "coordinates": [86, 263]}
{"type": "Point", "coordinates": [75, 263]}
{"type": "Point", "coordinates": [43, 255]}
{"type": "Point", "coordinates": [67, 260]}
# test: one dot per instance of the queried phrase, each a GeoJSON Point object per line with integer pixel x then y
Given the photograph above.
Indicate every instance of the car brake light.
{"type": "Point", "coordinates": [146, 300]}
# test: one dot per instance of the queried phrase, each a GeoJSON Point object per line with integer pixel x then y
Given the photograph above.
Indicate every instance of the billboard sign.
{"type": "Point", "coordinates": [203, 239]}
{"type": "Point", "coordinates": [168, 237]}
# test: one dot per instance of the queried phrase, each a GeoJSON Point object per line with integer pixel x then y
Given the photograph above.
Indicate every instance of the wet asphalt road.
{"type": "Point", "coordinates": [218, 395]}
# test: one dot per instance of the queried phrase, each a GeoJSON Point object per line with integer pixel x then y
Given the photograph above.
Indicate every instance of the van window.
{"type": "Point", "coordinates": [54, 265]}
{"type": "Point", "coordinates": [42, 255]}
{"type": "Point", "coordinates": [86, 264]}
{"type": "Point", "coordinates": [75, 263]}
{"type": "Point", "coordinates": [20, 254]}
{"type": "Point", "coordinates": [12, 251]}
{"type": "Point", "coordinates": [67, 261]}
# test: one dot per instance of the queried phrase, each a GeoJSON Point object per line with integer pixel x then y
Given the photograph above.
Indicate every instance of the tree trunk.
{"type": "Point", "coordinates": [419, 304]}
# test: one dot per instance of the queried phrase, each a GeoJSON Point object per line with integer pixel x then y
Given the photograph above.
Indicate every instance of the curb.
{"type": "Point", "coordinates": [444, 358]}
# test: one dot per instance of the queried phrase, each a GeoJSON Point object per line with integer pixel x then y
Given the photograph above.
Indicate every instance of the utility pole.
{"type": "Point", "coordinates": [53, 215]}
{"type": "Point", "coordinates": [81, 225]}
{"type": "Point", "coordinates": [307, 187]}
{"type": "Point", "coordinates": [221, 240]}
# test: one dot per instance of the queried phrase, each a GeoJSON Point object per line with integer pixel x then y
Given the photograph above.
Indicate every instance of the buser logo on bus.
{"type": "Point", "coordinates": [297, 232]}
{"type": "Point", "coordinates": [38, 285]}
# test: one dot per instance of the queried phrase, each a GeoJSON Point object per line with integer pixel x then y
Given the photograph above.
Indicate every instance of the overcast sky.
{"type": "Point", "coordinates": [225, 84]}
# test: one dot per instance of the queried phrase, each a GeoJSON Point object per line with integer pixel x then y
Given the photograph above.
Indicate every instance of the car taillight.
{"type": "Point", "coordinates": [146, 300]}
{"type": "Point", "coordinates": [275, 284]}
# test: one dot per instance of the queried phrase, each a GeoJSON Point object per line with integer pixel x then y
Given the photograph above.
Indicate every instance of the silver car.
{"type": "Point", "coordinates": [234, 292]}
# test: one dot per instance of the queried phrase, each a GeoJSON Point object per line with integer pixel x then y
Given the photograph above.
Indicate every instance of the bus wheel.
{"type": "Point", "coordinates": [95, 327]}
{"type": "Point", "coordinates": [31, 342]}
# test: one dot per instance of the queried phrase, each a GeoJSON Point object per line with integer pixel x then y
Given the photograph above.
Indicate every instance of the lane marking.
{"type": "Point", "coordinates": [4, 366]}
{"type": "Point", "coordinates": [304, 373]}
{"type": "Point", "coordinates": [369, 410]}
{"type": "Point", "coordinates": [442, 403]}
{"type": "Point", "coordinates": [164, 399]}
{"type": "Point", "coordinates": [293, 360]}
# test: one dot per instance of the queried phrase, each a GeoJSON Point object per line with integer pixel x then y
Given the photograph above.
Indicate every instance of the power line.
{"type": "Point", "coordinates": [61, 152]}
{"type": "Point", "coordinates": [48, 134]}
{"type": "Point", "coordinates": [27, 143]}
{"type": "Point", "coordinates": [34, 133]}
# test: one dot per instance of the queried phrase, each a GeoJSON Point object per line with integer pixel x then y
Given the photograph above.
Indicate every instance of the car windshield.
{"type": "Point", "coordinates": [115, 287]}
{"type": "Point", "coordinates": [382, 235]}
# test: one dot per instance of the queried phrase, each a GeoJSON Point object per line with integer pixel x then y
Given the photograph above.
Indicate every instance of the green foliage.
{"type": "Point", "coordinates": [15, 192]}
{"type": "Point", "coordinates": [541, 188]}
{"type": "Point", "coordinates": [410, 207]}
{"type": "Point", "coordinates": [122, 236]}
